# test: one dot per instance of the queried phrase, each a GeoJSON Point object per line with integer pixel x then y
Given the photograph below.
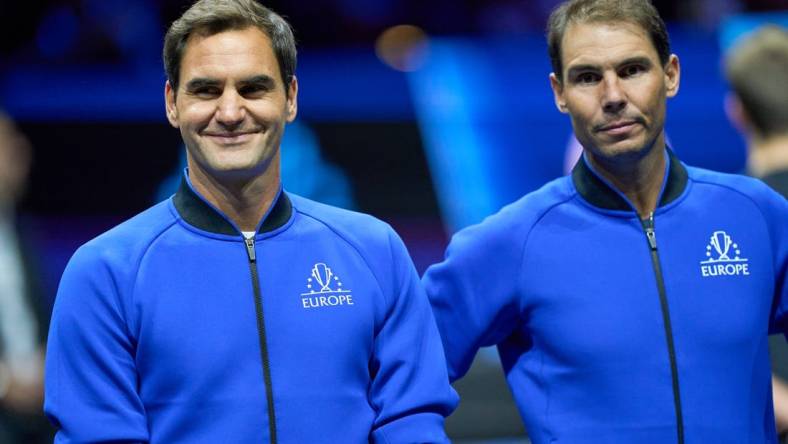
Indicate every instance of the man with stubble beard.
{"type": "Point", "coordinates": [631, 300]}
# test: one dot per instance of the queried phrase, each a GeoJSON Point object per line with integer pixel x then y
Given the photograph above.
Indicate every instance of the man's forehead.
{"type": "Point", "coordinates": [605, 42]}
{"type": "Point", "coordinates": [227, 39]}
{"type": "Point", "coordinates": [234, 53]}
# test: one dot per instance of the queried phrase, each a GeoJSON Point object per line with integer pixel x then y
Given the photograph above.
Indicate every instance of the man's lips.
{"type": "Point", "coordinates": [620, 127]}
{"type": "Point", "coordinates": [230, 138]}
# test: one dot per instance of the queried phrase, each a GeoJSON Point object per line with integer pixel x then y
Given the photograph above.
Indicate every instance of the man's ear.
{"type": "Point", "coordinates": [736, 113]}
{"type": "Point", "coordinates": [672, 75]}
{"type": "Point", "coordinates": [558, 93]}
{"type": "Point", "coordinates": [169, 104]}
{"type": "Point", "coordinates": [292, 99]}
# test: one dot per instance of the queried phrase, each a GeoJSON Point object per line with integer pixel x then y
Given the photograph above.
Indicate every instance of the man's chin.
{"type": "Point", "coordinates": [239, 170]}
{"type": "Point", "coordinates": [234, 166]}
{"type": "Point", "coordinates": [243, 170]}
{"type": "Point", "coordinates": [631, 148]}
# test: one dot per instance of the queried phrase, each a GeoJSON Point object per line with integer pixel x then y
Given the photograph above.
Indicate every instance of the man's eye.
{"type": "Point", "coordinates": [252, 90]}
{"type": "Point", "coordinates": [632, 70]}
{"type": "Point", "coordinates": [207, 92]}
{"type": "Point", "coordinates": [586, 78]}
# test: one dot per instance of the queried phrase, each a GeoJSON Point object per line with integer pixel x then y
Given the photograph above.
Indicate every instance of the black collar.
{"type": "Point", "coordinates": [596, 192]}
{"type": "Point", "coordinates": [198, 213]}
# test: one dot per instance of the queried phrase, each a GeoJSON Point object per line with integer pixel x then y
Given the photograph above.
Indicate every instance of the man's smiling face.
{"type": "Point", "coordinates": [231, 105]}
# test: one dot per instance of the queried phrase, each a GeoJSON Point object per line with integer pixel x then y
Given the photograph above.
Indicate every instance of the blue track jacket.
{"type": "Point", "coordinates": [615, 330]}
{"type": "Point", "coordinates": [171, 328]}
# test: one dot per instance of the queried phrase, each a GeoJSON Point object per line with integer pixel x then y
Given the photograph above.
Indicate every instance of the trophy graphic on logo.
{"type": "Point", "coordinates": [322, 275]}
{"type": "Point", "coordinates": [721, 243]}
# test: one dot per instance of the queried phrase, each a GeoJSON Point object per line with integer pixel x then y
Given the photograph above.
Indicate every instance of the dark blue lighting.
{"type": "Point", "coordinates": [57, 33]}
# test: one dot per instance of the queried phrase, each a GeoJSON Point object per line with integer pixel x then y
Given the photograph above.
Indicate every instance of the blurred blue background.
{"type": "Point", "coordinates": [429, 115]}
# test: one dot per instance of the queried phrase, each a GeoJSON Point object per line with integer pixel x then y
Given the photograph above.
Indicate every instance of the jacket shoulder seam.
{"type": "Point", "coordinates": [138, 263]}
{"type": "Point", "coordinates": [527, 237]}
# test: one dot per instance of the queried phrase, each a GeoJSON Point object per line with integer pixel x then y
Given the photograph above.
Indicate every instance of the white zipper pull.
{"type": "Point", "coordinates": [250, 249]}
{"type": "Point", "coordinates": [650, 233]}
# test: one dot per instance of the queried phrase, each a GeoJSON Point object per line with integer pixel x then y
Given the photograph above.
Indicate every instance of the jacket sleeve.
{"type": "Point", "coordinates": [776, 213]}
{"type": "Point", "coordinates": [91, 380]}
{"type": "Point", "coordinates": [410, 388]}
{"type": "Point", "coordinates": [474, 292]}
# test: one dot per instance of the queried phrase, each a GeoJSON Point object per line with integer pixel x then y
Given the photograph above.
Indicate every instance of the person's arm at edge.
{"type": "Point", "coordinates": [91, 380]}
{"type": "Point", "coordinates": [780, 397]}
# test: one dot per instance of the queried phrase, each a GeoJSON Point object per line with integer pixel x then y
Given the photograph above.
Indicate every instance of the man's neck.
{"type": "Point", "coordinates": [639, 180]}
{"type": "Point", "coordinates": [767, 155]}
{"type": "Point", "coordinates": [243, 201]}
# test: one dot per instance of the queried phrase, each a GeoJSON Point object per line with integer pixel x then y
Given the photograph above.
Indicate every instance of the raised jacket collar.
{"type": "Point", "coordinates": [197, 212]}
{"type": "Point", "coordinates": [599, 194]}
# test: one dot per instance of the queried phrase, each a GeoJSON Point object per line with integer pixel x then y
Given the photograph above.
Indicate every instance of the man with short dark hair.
{"type": "Point", "coordinates": [631, 301]}
{"type": "Point", "coordinates": [236, 312]}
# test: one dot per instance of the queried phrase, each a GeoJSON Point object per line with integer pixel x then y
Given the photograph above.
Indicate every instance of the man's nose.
{"type": "Point", "coordinates": [613, 96]}
{"type": "Point", "coordinates": [230, 110]}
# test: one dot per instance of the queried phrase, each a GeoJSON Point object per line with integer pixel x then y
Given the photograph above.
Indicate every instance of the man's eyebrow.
{"type": "Point", "coordinates": [201, 82]}
{"type": "Point", "coordinates": [637, 60]}
{"type": "Point", "coordinates": [260, 80]}
{"type": "Point", "coordinates": [582, 68]}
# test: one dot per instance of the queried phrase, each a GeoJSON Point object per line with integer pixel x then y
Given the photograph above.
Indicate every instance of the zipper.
{"type": "Point", "coordinates": [258, 305]}
{"type": "Point", "coordinates": [651, 236]}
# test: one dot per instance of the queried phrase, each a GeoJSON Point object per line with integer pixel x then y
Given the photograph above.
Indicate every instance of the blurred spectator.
{"type": "Point", "coordinates": [22, 318]}
{"type": "Point", "coordinates": [757, 68]}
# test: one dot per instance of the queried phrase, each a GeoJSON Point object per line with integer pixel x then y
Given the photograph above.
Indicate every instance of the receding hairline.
{"type": "Point", "coordinates": [610, 23]}
{"type": "Point", "coordinates": [208, 17]}
{"type": "Point", "coordinates": [205, 32]}
{"type": "Point", "coordinates": [640, 12]}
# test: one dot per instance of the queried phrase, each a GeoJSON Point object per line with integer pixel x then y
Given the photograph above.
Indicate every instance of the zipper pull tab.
{"type": "Point", "coordinates": [652, 238]}
{"type": "Point", "coordinates": [250, 249]}
{"type": "Point", "coordinates": [650, 233]}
